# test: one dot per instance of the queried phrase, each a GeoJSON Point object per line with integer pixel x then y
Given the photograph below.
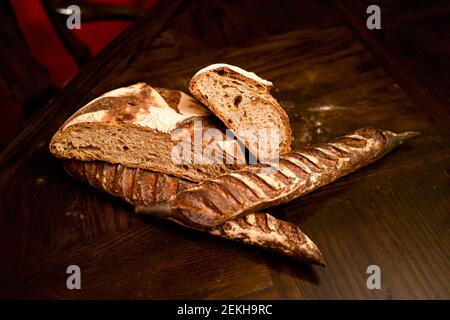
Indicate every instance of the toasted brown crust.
{"type": "Point", "coordinates": [144, 187]}
{"type": "Point", "coordinates": [264, 230]}
{"type": "Point", "coordinates": [213, 202]}
{"type": "Point", "coordinates": [136, 186]}
{"type": "Point", "coordinates": [263, 92]}
{"type": "Point", "coordinates": [123, 107]}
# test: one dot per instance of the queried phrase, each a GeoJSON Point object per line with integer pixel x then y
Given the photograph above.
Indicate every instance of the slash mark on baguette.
{"type": "Point", "coordinates": [321, 164]}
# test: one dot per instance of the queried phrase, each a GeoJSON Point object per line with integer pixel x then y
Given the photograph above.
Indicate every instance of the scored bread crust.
{"type": "Point", "coordinates": [144, 187]}
{"type": "Point", "coordinates": [136, 125]}
{"type": "Point", "coordinates": [231, 104]}
{"type": "Point", "coordinates": [256, 188]}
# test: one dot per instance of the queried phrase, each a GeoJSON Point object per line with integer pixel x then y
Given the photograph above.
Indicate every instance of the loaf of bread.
{"type": "Point", "coordinates": [297, 173]}
{"type": "Point", "coordinates": [144, 187]}
{"type": "Point", "coordinates": [123, 143]}
{"type": "Point", "coordinates": [139, 127]}
{"type": "Point", "coordinates": [243, 102]}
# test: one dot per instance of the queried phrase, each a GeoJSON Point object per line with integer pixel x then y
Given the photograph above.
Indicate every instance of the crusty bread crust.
{"type": "Point", "coordinates": [144, 187]}
{"type": "Point", "coordinates": [252, 189]}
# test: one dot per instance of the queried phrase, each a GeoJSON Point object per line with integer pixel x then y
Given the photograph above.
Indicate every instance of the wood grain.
{"type": "Point", "coordinates": [393, 213]}
{"type": "Point", "coordinates": [417, 27]}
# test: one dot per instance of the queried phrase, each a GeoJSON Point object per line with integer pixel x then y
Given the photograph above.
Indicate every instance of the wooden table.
{"type": "Point", "coordinates": [332, 75]}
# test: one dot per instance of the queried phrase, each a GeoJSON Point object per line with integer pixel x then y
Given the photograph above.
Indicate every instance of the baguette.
{"type": "Point", "coordinates": [144, 187]}
{"type": "Point", "coordinates": [213, 202]}
{"type": "Point", "coordinates": [140, 127]}
{"type": "Point", "coordinates": [242, 100]}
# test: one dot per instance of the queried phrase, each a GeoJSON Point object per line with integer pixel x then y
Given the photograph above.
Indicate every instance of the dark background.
{"type": "Point", "coordinates": [38, 62]}
{"type": "Point", "coordinates": [330, 72]}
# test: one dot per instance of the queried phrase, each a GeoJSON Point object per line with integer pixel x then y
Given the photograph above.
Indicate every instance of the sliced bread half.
{"type": "Point", "coordinates": [142, 127]}
{"type": "Point", "coordinates": [242, 100]}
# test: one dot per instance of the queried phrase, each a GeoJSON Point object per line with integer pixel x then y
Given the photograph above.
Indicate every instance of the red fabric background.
{"type": "Point", "coordinates": [50, 52]}
{"type": "Point", "coordinates": [45, 44]}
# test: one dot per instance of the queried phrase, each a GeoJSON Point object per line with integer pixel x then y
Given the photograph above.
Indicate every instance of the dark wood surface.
{"type": "Point", "coordinates": [332, 76]}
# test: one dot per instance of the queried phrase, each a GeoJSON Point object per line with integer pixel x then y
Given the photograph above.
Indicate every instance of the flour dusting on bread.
{"type": "Point", "coordinates": [247, 74]}
{"type": "Point", "coordinates": [146, 108]}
